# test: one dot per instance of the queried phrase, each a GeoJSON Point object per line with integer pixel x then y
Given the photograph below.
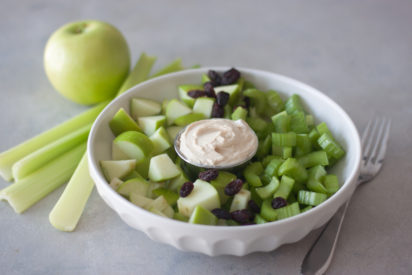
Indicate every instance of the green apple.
{"type": "Point", "coordinates": [189, 118]}
{"type": "Point", "coordinates": [160, 140]}
{"type": "Point", "coordinates": [162, 168]}
{"type": "Point", "coordinates": [117, 168]}
{"type": "Point", "coordinates": [144, 107]}
{"type": "Point", "coordinates": [122, 122]}
{"type": "Point", "coordinates": [150, 124]}
{"type": "Point", "coordinates": [204, 105]}
{"type": "Point", "coordinates": [175, 109]}
{"type": "Point", "coordinates": [136, 185]}
{"type": "Point", "coordinates": [201, 215]}
{"type": "Point", "coordinates": [87, 61]}
{"type": "Point", "coordinates": [131, 145]}
{"type": "Point", "coordinates": [240, 200]}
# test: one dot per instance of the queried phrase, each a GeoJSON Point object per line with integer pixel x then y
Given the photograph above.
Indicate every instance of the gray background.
{"type": "Point", "coordinates": [357, 52]}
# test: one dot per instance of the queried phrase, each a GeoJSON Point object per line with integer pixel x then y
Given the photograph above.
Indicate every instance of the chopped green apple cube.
{"type": "Point", "coordinates": [240, 200]}
{"type": "Point", "coordinates": [233, 91]}
{"type": "Point", "coordinates": [150, 124]}
{"type": "Point", "coordinates": [162, 168]}
{"type": "Point", "coordinates": [202, 215]}
{"type": "Point", "coordinates": [160, 140]}
{"type": "Point", "coordinates": [189, 118]}
{"type": "Point", "coordinates": [136, 185]}
{"type": "Point", "coordinates": [176, 109]}
{"type": "Point", "coordinates": [204, 105]}
{"type": "Point", "coordinates": [203, 194]}
{"type": "Point", "coordinates": [115, 183]}
{"type": "Point", "coordinates": [122, 122]}
{"type": "Point", "coordinates": [131, 145]}
{"type": "Point", "coordinates": [144, 107]}
{"type": "Point", "coordinates": [173, 131]}
{"type": "Point", "coordinates": [184, 89]}
{"type": "Point", "coordinates": [117, 168]}
{"type": "Point", "coordinates": [140, 200]}
{"type": "Point", "coordinates": [170, 196]}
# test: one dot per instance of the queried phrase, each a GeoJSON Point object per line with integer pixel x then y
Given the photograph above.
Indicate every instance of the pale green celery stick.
{"type": "Point", "coordinates": [139, 73]}
{"type": "Point", "coordinates": [9, 157]}
{"type": "Point", "coordinates": [68, 209]}
{"type": "Point", "coordinates": [37, 159]}
{"type": "Point", "coordinates": [66, 213]}
{"type": "Point", "coordinates": [26, 192]}
{"type": "Point", "coordinates": [175, 66]}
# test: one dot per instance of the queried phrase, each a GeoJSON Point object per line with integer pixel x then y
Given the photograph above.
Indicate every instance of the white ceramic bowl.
{"type": "Point", "coordinates": [234, 240]}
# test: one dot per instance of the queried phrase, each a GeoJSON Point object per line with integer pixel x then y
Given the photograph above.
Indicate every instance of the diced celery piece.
{"type": "Point", "coordinates": [292, 168]}
{"type": "Point", "coordinates": [307, 208]}
{"type": "Point", "coordinates": [288, 211]}
{"type": "Point", "coordinates": [281, 121]}
{"type": "Point", "coordinates": [285, 187]}
{"type": "Point", "coordinates": [316, 186]}
{"type": "Point", "coordinates": [275, 101]}
{"type": "Point", "coordinates": [259, 125]}
{"type": "Point", "coordinates": [314, 136]}
{"type": "Point", "coordinates": [227, 111]}
{"type": "Point", "coordinates": [293, 104]}
{"type": "Point", "coordinates": [316, 173]}
{"type": "Point", "coordinates": [298, 122]}
{"type": "Point", "coordinates": [322, 128]}
{"type": "Point", "coordinates": [331, 183]}
{"type": "Point", "coordinates": [232, 223]}
{"type": "Point", "coordinates": [310, 121]}
{"type": "Point", "coordinates": [284, 139]}
{"type": "Point", "coordinates": [331, 146]}
{"type": "Point", "coordinates": [239, 113]}
{"type": "Point", "coordinates": [258, 100]}
{"type": "Point", "coordinates": [264, 147]}
{"type": "Point", "coordinates": [268, 159]}
{"type": "Point", "coordinates": [311, 198]}
{"type": "Point", "coordinates": [291, 199]}
{"type": "Point", "coordinates": [259, 219]}
{"type": "Point", "coordinates": [267, 212]}
{"type": "Point", "coordinates": [287, 152]}
{"type": "Point", "coordinates": [303, 145]}
{"type": "Point", "coordinates": [268, 190]}
{"type": "Point", "coordinates": [297, 187]}
{"type": "Point", "coordinates": [252, 172]}
{"type": "Point", "coordinates": [313, 159]}
{"type": "Point", "coordinates": [273, 166]}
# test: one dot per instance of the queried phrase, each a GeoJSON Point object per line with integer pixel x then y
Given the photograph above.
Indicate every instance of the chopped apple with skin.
{"type": "Point", "coordinates": [162, 168]}
{"type": "Point", "coordinates": [184, 89]}
{"type": "Point", "coordinates": [122, 122]}
{"type": "Point", "coordinates": [204, 105]}
{"type": "Point", "coordinates": [175, 109]}
{"type": "Point", "coordinates": [201, 215]}
{"type": "Point", "coordinates": [144, 107]}
{"type": "Point", "coordinates": [117, 168]}
{"type": "Point", "coordinates": [189, 118]}
{"type": "Point", "coordinates": [115, 183]}
{"type": "Point", "coordinates": [150, 124]}
{"type": "Point", "coordinates": [233, 90]}
{"type": "Point", "coordinates": [173, 131]}
{"type": "Point", "coordinates": [240, 200]}
{"type": "Point", "coordinates": [131, 145]}
{"type": "Point", "coordinates": [143, 167]}
{"type": "Point", "coordinates": [203, 194]}
{"type": "Point", "coordinates": [139, 200]}
{"type": "Point", "coordinates": [160, 140]}
{"type": "Point", "coordinates": [136, 185]}
{"type": "Point", "coordinates": [161, 205]}
{"type": "Point", "coordinates": [153, 186]}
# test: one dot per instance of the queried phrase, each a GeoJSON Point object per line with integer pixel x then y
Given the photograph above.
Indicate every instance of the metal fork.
{"type": "Point", "coordinates": [374, 141]}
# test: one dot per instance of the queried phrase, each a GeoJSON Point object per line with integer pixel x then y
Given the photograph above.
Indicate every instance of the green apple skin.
{"type": "Point", "coordinates": [87, 61]}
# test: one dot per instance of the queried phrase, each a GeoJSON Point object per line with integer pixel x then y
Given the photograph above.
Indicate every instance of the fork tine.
{"type": "Point", "coordinates": [366, 133]}
{"type": "Point", "coordinates": [380, 130]}
{"type": "Point", "coordinates": [369, 138]}
{"type": "Point", "coordinates": [384, 142]}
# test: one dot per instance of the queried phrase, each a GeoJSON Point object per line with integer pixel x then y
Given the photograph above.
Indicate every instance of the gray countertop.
{"type": "Point", "coordinates": [357, 52]}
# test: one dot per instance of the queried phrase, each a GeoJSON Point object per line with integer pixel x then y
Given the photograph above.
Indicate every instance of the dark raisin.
{"type": "Point", "coordinates": [233, 187]}
{"type": "Point", "coordinates": [230, 76]}
{"type": "Point", "coordinates": [214, 77]}
{"type": "Point", "coordinates": [252, 205]}
{"type": "Point", "coordinates": [208, 175]}
{"type": "Point", "coordinates": [186, 189]}
{"type": "Point", "coordinates": [222, 98]}
{"type": "Point", "coordinates": [247, 102]}
{"type": "Point", "coordinates": [242, 216]}
{"type": "Point", "coordinates": [217, 111]}
{"type": "Point", "coordinates": [221, 213]}
{"type": "Point", "coordinates": [196, 93]}
{"type": "Point", "coordinates": [209, 90]}
{"type": "Point", "coordinates": [279, 202]}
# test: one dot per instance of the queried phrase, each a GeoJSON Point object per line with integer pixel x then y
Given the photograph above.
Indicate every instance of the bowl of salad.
{"type": "Point", "coordinates": [224, 161]}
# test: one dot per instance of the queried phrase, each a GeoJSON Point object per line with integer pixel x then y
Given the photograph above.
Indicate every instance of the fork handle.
{"type": "Point", "coordinates": [319, 257]}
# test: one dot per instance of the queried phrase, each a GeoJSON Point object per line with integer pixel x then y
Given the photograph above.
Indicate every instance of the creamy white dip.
{"type": "Point", "coordinates": [218, 142]}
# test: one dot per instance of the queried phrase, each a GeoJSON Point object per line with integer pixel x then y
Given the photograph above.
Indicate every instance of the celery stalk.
{"type": "Point", "coordinates": [37, 159]}
{"type": "Point", "coordinates": [68, 209]}
{"type": "Point", "coordinates": [66, 213]}
{"type": "Point", "coordinates": [175, 66]}
{"type": "Point", "coordinates": [26, 192]}
{"type": "Point", "coordinates": [9, 157]}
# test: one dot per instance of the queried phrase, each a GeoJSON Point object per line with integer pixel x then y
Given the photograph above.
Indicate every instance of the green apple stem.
{"type": "Point", "coordinates": [24, 193]}
{"type": "Point", "coordinates": [37, 159]}
{"type": "Point", "coordinates": [66, 213]}
{"type": "Point", "coordinates": [11, 156]}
